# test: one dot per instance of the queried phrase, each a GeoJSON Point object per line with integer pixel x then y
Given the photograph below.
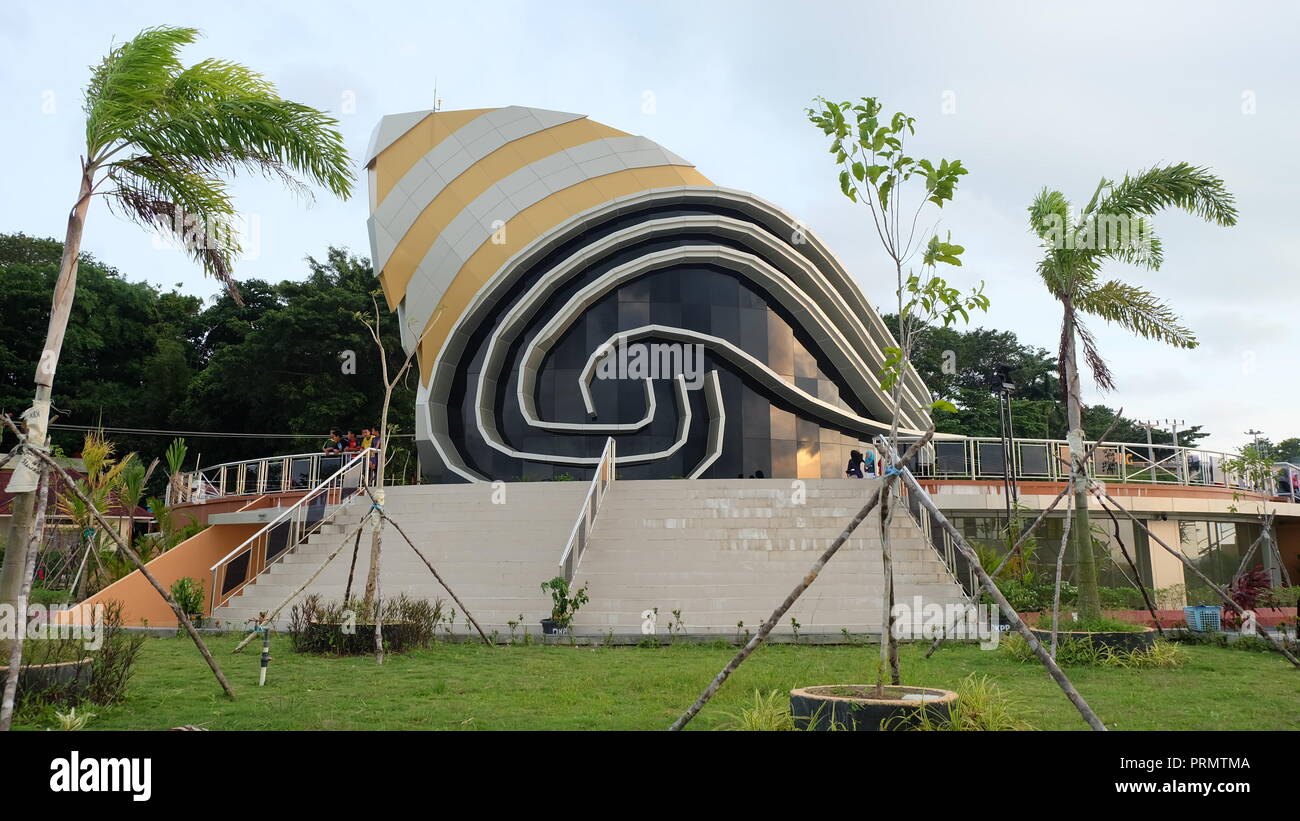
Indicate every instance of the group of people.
{"type": "Point", "coordinates": [861, 465]}
{"type": "Point", "coordinates": [350, 442]}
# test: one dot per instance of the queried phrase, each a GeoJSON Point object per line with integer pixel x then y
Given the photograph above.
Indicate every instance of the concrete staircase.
{"type": "Point", "coordinates": [720, 551]}
{"type": "Point", "coordinates": [724, 551]}
{"type": "Point", "coordinates": [495, 554]}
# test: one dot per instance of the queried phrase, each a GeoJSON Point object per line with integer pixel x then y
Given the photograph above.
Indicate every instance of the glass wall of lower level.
{"type": "Point", "coordinates": [1216, 548]}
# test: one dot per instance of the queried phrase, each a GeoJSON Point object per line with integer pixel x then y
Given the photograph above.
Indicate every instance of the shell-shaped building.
{"type": "Point", "coordinates": [566, 282]}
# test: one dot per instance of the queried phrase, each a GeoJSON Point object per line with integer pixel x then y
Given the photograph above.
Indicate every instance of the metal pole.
{"type": "Point", "coordinates": [266, 655]}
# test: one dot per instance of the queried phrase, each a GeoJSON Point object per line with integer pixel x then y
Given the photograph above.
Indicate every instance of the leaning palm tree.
{"type": "Point", "coordinates": [1114, 227]}
{"type": "Point", "coordinates": [161, 138]}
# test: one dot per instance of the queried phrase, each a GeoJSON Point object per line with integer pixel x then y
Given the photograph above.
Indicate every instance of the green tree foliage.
{"type": "Point", "coordinates": [959, 366]}
{"type": "Point", "coordinates": [140, 357]}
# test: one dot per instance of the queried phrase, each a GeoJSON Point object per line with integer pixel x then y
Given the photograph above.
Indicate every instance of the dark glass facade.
{"type": "Point", "coordinates": [763, 435]}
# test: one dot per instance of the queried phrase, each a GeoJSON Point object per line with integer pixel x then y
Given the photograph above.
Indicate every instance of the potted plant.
{"type": "Point", "coordinates": [564, 605]}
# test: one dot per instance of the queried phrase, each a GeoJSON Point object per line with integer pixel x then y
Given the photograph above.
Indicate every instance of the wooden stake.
{"type": "Point", "coordinates": [803, 585]}
{"type": "Point", "coordinates": [1137, 576]}
{"type": "Point", "coordinates": [1007, 610]}
{"type": "Point", "coordinates": [356, 548]}
{"type": "Point", "coordinates": [1060, 562]}
{"type": "Point", "coordinates": [445, 586]}
{"type": "Point", "coordinates": [979, 587]}
{"type": "Point", "coordinates": [268, 619]}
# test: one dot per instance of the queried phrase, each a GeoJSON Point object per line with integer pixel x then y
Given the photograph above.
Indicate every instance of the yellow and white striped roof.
{"type": "Point", "coordinates": [454, 194]}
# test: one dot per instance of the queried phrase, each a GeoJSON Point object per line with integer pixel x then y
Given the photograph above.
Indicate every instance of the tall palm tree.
{"type": "Point", "coordinates": [161, 138]}
{"type": "Point", "coordinates": [1114, 227]}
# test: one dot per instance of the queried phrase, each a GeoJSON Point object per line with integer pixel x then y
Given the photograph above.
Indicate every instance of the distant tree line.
{"type": "Point", "coordinates": [962, 366]}
{"type": "Point", "coordinates": [137, 356]}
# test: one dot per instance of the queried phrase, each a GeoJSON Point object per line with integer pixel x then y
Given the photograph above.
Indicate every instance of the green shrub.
{"type": "Point", "coordinates": [1231, 641]}
{"type": "Point", "coordinates": [769, 712]}
{"type": "Point", "coordinates": [188, 593]}
{"type": "Point", "coordinates": [564, 603]}
{"type": "Point", "coordinates": [981, 705]}
{"type": "Point", "coordinates": [1082, 652]}
{"type": "Point", "coordinates": [1279, 597]}
{"type": "Point", "coordinates": [45, 596]}
{"type": "Point", "coordinates": [1086, 625]}
{"type": "Point", "coordinates": [1120, 598]}
{"type": "Point", "coordinates": [316, 627]}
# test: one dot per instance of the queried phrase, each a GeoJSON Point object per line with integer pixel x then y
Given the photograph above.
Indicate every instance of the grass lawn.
{"type": "Point", "coordinates": [468, 686]}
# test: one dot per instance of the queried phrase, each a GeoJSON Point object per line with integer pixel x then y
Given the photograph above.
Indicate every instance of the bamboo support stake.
{"type": "Point", "coordinates": [356, 548]}
{"type": "Point", "coordinates": [268, 619]}
{"type": "Point", "coordinates": [1241, 567]}
{"type": "Point", "coordinates": [803, 585]}
{"type": "Point", "coordinates": [1060, 562]}
{"type": "Point", "coordinates": [1052, 669]}
{"type": "Point", "coordinates": [1137, 576]}
{"type": "Point", "coordinates": [979, 588]}
{"type": "Point", "coordinates": [1026, 534]}
{"type": "Point", "coordinates": [445, 586]}
{"type": "Point", "coordinates": [1187, 563]}
{"type": "Point", "coordinates": [131, 555]}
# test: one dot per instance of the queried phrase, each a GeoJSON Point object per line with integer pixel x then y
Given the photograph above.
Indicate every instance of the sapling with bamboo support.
{"type": "Point", "coordinates": [875, 171]}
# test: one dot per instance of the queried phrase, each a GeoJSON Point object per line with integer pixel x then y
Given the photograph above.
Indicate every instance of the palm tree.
{"type": "Point", "coordinates": [1114, 227]}
{"type": "Point", "coordinates": [161, 138]}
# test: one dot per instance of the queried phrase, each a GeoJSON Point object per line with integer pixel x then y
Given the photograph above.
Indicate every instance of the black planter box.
{"type": "Point", "coordinates": [820, 708]}
{"type": "Point", "coordinates": [1129, 642]}
{"type": "Point", "coordinates": [72, 677]}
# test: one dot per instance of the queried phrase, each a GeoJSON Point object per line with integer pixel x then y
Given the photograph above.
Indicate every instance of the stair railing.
{"type": "Point", "coordinates": [938, 538]}
{"type": "Point", "coordinates": [581, 533]}
{"type": "Point", "coordinates": [277, 538]}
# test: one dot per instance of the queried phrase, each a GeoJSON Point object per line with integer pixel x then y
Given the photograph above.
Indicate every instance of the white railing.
{"type": "Point", "coordinates": [1048, 460]}
{"type": "Point", "coordinates": [581, 533]}
{"type": "Point", "coordinates": [269, 474]}
{"type": "Point", "coordinates": [317, 507]}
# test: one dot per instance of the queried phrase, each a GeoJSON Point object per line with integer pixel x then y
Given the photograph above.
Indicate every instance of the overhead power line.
{"type": "Point", "coordinates": [204, 433]}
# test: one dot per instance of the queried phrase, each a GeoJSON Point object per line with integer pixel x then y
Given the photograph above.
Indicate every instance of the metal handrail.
{"type": "Point", "coordinates": [296, 522]}
{"type": "Point", "coordinates": [265, 474]}
{"type": "Point", "coordinates": [1048, 460]}
{"type": "Point", "coordinates": [957, 458]}
{"type": "Point", "coordinates": [937, 537]}
{"type": "Point", "coordinates": [581, 533]}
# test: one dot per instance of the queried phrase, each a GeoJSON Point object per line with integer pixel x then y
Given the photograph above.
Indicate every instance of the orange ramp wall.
{"type": "Point", "coordinates": [193, 557]}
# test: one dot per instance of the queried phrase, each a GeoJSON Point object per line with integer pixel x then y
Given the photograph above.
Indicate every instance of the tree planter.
{"type": "Point", "coordinates": [328, 637]}
{"type": "Point", "coordinates": [851, 707]}
{"type": "Point", "coordinates": [1139, 641]}
{"type": "Point", "coordinates": [72, 677]}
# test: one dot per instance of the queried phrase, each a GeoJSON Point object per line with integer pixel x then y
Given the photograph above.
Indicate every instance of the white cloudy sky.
{"type": "Point", "coordinates": [1045, 94]}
